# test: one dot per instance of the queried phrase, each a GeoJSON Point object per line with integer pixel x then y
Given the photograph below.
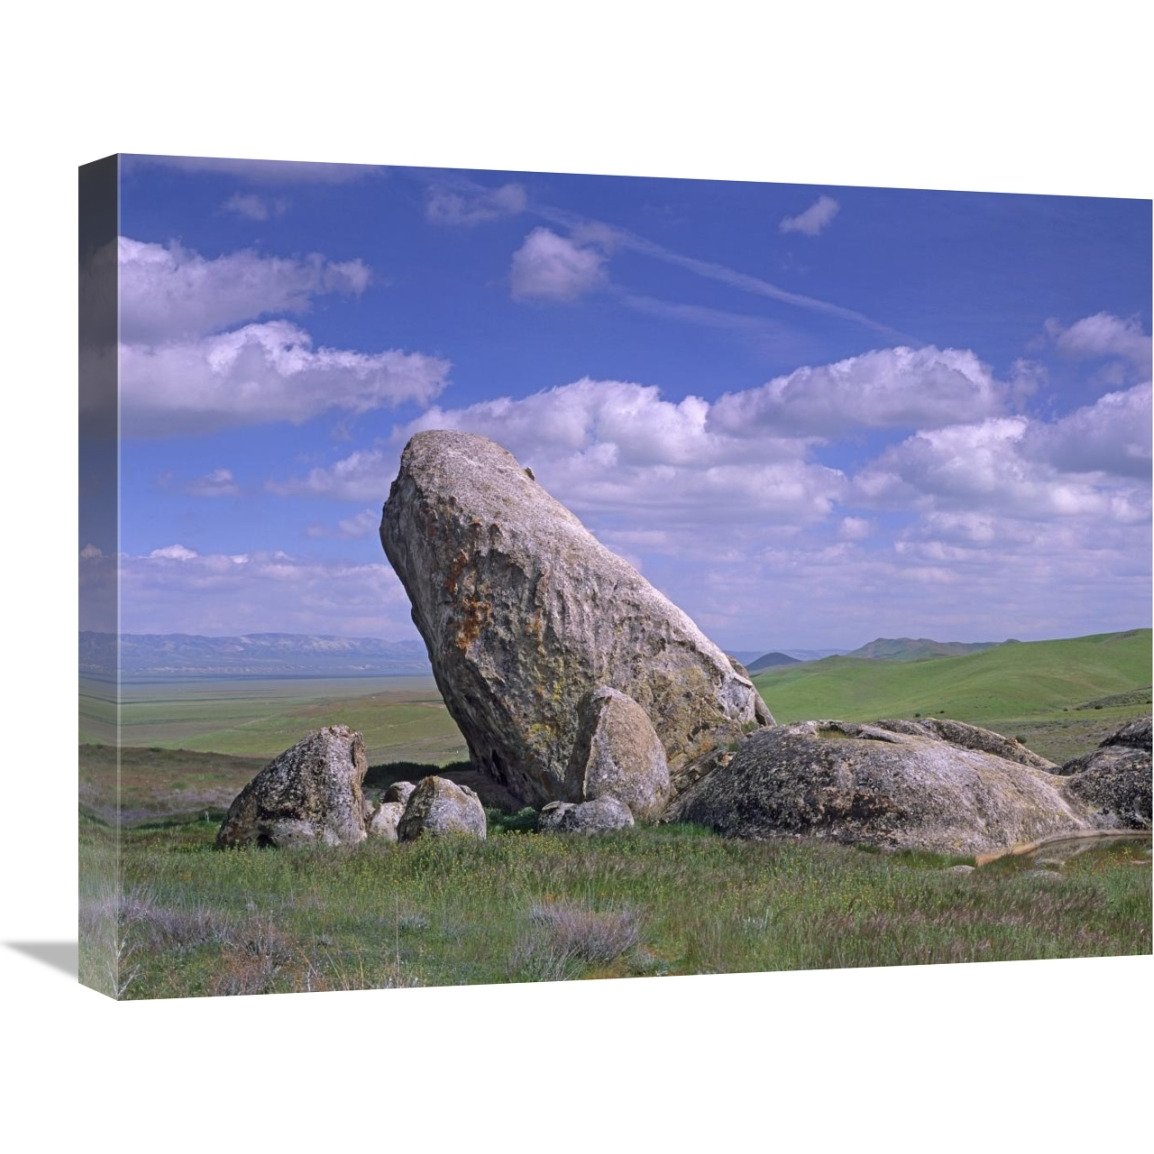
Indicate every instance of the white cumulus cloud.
{"type": "Point", "coordinates": [364, 475]}
{"type": "Point", "coordinates": [174, 589]}
{"type": "Point", "coordinates": [168, 292]}
{"type": "Point", "coordinates": [184, 368]}
{"type": "Point", "coordinates": [620, 455]}
{"type": "Point", "coordinates": [550, 267]}
{"type": "Point", "coordinates": [1113, 435]}
{"type": "Point", "coordinates": [254, 207]}
{"type": "Point", "coordinates": [444, 206]}
{"type": "Point", "coordinates": [992, 467]}
{"type": "Point", "coordinates": [885, 388]}
{"type": "Point", "coordinates": [815, 219]}
{"type": "Point", "coordinates": [262, 373]}
{"type": "Point", "coordinates": [173, 553]}
{"type": "Point", "coordinates": [1103, 335]}
{"type": "Point", "coordinates": [218, 483]}
{"type": "Point", "coordinates": [366, 523]}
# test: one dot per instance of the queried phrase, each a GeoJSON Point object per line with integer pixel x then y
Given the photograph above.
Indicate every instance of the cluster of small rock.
{"type": "Point", "coordinates": [313, 793]}
{"type": "Point", "coordinates": [584, 692]}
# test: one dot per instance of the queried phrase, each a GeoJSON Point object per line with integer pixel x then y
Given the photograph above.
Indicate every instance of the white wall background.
{"type": "Point", "coordinates": [1001, 97]}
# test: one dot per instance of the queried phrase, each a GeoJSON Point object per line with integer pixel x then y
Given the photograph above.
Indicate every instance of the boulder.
{"type": "Point", "coordinates": [399, 791]}
{"type": "Point", "coordinates": [617, 753]}
{"type": "Point", "coordinates": [1136, 735]}
{"type": "Point", "coordinates": [598, 816]}
{"type": "Point", "coordinates": [1133, 737]}
{"type": "Point", "coordinates": [970, 737]}
{"type": "Point", "coordinates": [1114, 781]}
{"type": "Point", "coordinates": [385, 819]}
{"type": "Point", "coordinates": [524, 613]}
{"type": "Point", "coordinates": [437, 807]}
{"type": "Point", "coordinates": [882, 787]}
{"type": "Point", "coordinates": [309, 793]}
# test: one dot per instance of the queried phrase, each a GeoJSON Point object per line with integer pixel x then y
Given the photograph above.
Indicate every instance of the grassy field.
{"type": "Point", "coordinates": [400, 718]}
{"type": "Point", "coordinates": [528, 907]}
{"type": "Point", "coordinates": [531, 907]}
{"type": "Point", "coordinates": [1060, 697]}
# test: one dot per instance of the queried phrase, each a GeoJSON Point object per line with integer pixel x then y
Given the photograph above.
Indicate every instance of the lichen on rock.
{"type": "Point", "coordinates": [1114, 780]}
{"type": "Point", "coordinates": [438, 806]}
{"type": "Point", "coordinates": [601, 815]}
{"type": "Point", "coordinates": [311, 792]}
{"type": "Point", "coordinates": [890, 786]}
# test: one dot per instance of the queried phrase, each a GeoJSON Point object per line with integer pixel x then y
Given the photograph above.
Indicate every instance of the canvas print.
{"type": "Point", "coordinates": [512, 576]}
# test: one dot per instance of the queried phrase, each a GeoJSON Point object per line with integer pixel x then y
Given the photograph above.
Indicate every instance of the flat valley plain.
{"type": "Point", "coordinates": [528, 907]}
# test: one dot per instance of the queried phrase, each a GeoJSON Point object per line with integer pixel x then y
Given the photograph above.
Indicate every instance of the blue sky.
{"type": "Point", "coordinates": [810, 415]}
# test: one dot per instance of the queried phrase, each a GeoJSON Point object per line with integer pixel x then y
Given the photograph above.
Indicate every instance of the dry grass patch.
{"type": "Point", "coordinates": [564, 937]}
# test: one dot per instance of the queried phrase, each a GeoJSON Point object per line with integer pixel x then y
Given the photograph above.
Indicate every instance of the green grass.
{"type": "Point", "coordinates": [159, 783]}
{"type": "Point", "coordinates": [646, 901]}
{"type": "Point", "coordinates": [1034, 690]}
{"type": "Point", "coordinates": [166, 786]}
{"type": "Point", "coordinates": [400, 718]}
{"type": "Point", "coordinates": [528, 907]}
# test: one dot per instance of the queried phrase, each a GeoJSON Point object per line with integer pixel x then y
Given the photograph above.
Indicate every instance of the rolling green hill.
{"type": "Point", "coordinates": [911, 649]}
{"type": "Point", "coordinates": [771, 661]}
{"type": "Point", "coordinates": [1034, 685]}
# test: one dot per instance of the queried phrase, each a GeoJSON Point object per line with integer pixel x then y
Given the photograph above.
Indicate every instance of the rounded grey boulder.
{"type": "Point", "coordinates": [598, 816]}
{"type": "Point", "coordinates": [399, 791]}
{"type": "Point", "coordinates": [618, 754]}
{"type": "Point", "coordinates": [437, 807]}
{"type": "Point", "coordinates": [970, 737]}
{"type": "Point", "coordinates": [384, 821]}
{"type": "Point", "coordinates": [524, 613]}
{"type": "Point", "coordinates": [1114, 781]}
{"type": "Point", "coordinates": [868, 785]}
{"type": "Point", "coordinates": [311, 792]}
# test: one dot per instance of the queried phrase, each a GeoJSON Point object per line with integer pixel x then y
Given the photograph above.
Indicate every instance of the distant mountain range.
{"type": "Point", "coordinates": [152, 655]}
{"type": "Point", "coordinates": [919, 649]}
{"type": "Point", "coordinates": [252, 655]}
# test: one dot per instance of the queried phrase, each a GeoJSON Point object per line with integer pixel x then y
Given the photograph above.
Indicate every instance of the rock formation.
{"type": "Point", "coordinates": [309, 793]}
{"type": "Point", "coordinates": [524, 613]}
{"type": "Point", "coordinates": [437, 807]}
{"type": "Point", "coordinates": [384, 820]}
{"type": "Point", "coordinates": [617, 753]}
{"type": "Point", "coordinates": [1114, 781]}
{"type": "Point", "coordinates": [970, 737]}
{"type": "Point", "coordinates": [890, 787]}
{"type": "Point", "coordinates": [399, 791]}
{"type": "Point", "coordinates": [598, 816]}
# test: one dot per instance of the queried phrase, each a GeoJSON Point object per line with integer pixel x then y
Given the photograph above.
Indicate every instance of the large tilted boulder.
{"type": "Point", "coordinates": [524, 612]}
{"type": "Point", "coordinates": [438, 807]}
{"type": "Point", "coordinates": [618, 754]}
{"type": "Point", "coordinates": [1114, 781]}
{"type": "Point", "coordinates": [885, 787]}
{"type": "Point", "coordinates": [309, 793]}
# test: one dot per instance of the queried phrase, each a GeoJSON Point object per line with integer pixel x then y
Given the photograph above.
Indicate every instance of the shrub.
{"type": "Point", "coordinates": [564, 936]}
{"type": "Point", "coordinates": [523, 821]}
{"type": "Point", "coordinates": [252, 964]}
